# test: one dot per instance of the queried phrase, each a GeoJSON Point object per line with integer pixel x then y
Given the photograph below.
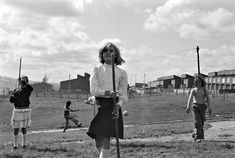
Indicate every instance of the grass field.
{"type": "Point", "coordinates": [153, 116]}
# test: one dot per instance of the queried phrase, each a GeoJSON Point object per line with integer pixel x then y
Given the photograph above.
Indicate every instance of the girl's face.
{"type": "Point", "coordinates": [107, 53]}
{"type": "Point", "coordinates": [22, 83]}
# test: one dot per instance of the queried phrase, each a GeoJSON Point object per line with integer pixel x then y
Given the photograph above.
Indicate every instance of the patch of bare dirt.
{"type": "Point", "coordinates": [219, 131]}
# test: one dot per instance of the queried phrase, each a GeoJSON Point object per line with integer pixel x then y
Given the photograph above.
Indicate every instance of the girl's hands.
{"type": "Point", "coordinates": [112, 94]}
{"type": "Point", "coordinates": [115, 112]}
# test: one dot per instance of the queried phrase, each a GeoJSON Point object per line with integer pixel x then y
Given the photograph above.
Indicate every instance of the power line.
{"type": "Point", "coordinates": [182, 51]}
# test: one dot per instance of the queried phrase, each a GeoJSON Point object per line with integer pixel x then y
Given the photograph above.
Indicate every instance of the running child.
{"type": "Point", "coordinates": [68, 117]}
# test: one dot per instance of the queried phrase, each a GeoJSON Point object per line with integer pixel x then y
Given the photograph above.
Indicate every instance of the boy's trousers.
{"type": "Point", "coordinates": [199, 111]}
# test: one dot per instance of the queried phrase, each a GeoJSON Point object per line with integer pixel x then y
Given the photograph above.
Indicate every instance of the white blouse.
{"type": "Point", "coordinates": [101, 81]}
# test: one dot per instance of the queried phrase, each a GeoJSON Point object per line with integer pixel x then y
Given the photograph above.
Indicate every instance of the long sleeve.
{"type": "Point", "coordinates": [95, 88]}
{"type": "Point", "coordinates": [20, 97]}
{"type": "Point", "coordinates": [101, 80]}
{"type": "Point", "coordinates": [122, 88]}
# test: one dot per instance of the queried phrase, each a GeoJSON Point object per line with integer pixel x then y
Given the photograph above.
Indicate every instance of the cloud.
{"type": "Point", "coordinates": [157, 63]}
{"type": "Point", "coordinates": [48, 43]}
{"type": "Point", "coordinates": [52, 43]}
{"type": "Point", "coordinates": [221, 58]}
{"type": "Point", "coordinates": [189, 21]}
{"type": "Point", "coordinates": [50, 8]}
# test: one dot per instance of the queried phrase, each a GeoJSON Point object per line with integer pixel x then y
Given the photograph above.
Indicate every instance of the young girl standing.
{"type": "Point", "coordinates": [201, 101]}
{"type": "Point", "coordinates": [21, 115]}
{"type": "Point", "coordinates": [102, 127]}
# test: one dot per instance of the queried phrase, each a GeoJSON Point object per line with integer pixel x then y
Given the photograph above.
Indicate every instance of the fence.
{"type": "Point", "coordinates": [133, 93]}
{"type": "Point", "coordinates": [61, 94]}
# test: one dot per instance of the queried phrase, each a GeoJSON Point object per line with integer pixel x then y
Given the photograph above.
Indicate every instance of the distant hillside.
{"type": "Point", "coordinates": [7, 82]}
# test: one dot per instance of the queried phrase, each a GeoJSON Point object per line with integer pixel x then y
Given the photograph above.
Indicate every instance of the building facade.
{"type": "Point", "coordinates": [172, 81]}
{"type": "Point", "coordinates": [216, 82]}
{"type": "Point", "coordinates": [187, 81]}
{"type": "Point", "coordinates": [81, 83]}
{"type": "Point", "coordinates": [221, 80]}
{"type": "Point", "coordinates": [40, 87]}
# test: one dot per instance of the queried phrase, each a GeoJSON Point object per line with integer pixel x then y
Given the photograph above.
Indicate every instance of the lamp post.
{"type": "Point", "coordinates": [69, 87]}
{"type": "Point", "coordinates": [198, 61]}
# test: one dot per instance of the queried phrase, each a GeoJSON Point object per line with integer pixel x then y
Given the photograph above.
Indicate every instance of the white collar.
{"type": "Point", "coordinates": [107, 65]}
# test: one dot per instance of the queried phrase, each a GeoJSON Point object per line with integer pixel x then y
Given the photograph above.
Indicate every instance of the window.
{"type": "Point", "coordinates": [185, 81]}
{"type": "Point", "coordinates": [229, 79]}
{"type": "Point", "coordinates": [214, 80]}
{"type": "Point", "coordinates": [233, 80]}
{"type": "Point", "coordinates": [210, 80]}
{"type": "Point", "coordinates": [223, 80]}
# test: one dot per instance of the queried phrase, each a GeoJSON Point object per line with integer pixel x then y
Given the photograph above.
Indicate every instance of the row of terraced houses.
{"type": "Point", "coordinates": [215, 81]}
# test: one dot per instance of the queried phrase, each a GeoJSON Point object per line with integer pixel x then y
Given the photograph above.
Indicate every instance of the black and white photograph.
{"type": "Point", "coordinates": [117, 79]}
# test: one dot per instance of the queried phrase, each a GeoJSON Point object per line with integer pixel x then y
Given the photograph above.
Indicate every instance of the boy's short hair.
{"type": "Point", "coordinates": [68, 103]}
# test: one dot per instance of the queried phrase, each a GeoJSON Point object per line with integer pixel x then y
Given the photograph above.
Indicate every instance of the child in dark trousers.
{"type": "Point", "coordinates": [68, 117]}
{"type": "Point", "coordinates": [200, 99]}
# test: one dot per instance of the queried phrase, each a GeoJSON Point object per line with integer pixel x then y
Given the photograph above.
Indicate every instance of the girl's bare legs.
{"type": "Point", "coordinates": [103, 146]}
{"type": "Point", "coordinates": [98, 143]}
{"type": "Point", "coordinates": [104, 153]}
{"type": "Point", "coordinates": [24, 131]}
{"type": "Point", "coordinates": [15, 138]}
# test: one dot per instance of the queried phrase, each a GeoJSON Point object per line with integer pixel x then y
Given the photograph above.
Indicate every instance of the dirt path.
{"type": "Point", "coordinates": [219, 131]}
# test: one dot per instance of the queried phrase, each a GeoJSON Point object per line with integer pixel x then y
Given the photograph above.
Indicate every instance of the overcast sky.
{"type": "Point", "coordinates": [156, 37]}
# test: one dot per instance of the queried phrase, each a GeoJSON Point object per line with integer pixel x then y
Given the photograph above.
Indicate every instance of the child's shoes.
{"type": "Point", "coordinates": [79, 124]}
{"type": "Point", "coordinates": [198, 140]}
{"type": "Point", "coordinates": [24, 147]}
{"type": "Point", "coordinates": [14, 148]}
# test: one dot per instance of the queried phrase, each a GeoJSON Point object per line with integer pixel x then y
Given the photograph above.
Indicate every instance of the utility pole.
{"type": "Point", "coordinates": [144, 78]}
{"type": "Point", "coordinates": [130, 80]}
{"type": "Point", "coordinates": [69, 88]}
{"type": "Point", "coordinates": [198, 60]}
{"type": "Point", "coordinates": [135, 80]}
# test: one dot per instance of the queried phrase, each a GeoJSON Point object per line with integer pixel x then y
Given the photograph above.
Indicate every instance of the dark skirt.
{"type": "Point", "coordinates": [103, 125]}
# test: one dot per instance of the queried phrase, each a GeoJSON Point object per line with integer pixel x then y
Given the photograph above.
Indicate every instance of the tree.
{"type": "Point", "coordinates": [45, 79]}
